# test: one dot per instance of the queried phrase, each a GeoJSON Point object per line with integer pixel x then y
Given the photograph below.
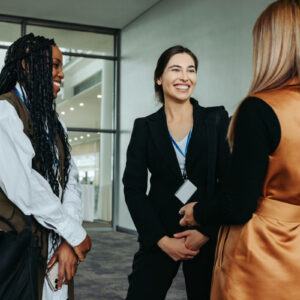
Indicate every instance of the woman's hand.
{"type": "Point", "coordinates": [83, 248]}
{"type": "Point", "coordinates": [176, 248]}
{"type": "Point", "coordinates": [67, 261]}
{"type": "Point", "coordinates": [188, 215]}
{"type": "Point", "coordinates": [194, 239]}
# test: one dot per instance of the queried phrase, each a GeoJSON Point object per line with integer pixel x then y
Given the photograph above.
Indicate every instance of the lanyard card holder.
{"type": "Point", "coordinates": [185, 191]}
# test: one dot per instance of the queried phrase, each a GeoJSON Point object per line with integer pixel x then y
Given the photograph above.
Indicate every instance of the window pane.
{"type": "Point", "coordinates": [9, 32]}
{"type": "Point", "coordinates": [77, 41]}
{"type": "Point", "coordinates": [86, 98]}
{"type": "Point", "coordinates": [93, 155]}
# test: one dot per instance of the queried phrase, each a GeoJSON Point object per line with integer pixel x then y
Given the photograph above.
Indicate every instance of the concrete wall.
{"type": "Point", "coordinates": [217, 31]}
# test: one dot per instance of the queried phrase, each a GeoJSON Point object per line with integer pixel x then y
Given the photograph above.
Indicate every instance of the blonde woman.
{"type": "Point", "coordinates": [258, 251]}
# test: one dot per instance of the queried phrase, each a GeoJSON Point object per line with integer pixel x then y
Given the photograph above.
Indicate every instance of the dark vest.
{"type": "Point", "coordinates": [8, 209]}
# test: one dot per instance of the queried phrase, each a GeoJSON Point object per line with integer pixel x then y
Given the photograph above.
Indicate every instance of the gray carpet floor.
{"type": "Point", "coordinates": [103, 275]}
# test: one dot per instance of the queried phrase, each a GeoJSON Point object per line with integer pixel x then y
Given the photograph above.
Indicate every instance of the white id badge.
{"type": "Point", "coordinates": [185, 192]}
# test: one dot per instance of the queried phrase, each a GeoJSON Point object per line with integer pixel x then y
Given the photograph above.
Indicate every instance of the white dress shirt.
{"type": "Point", "coordinates": [31, 193]}
{"type": "Point", "coordinates": [180, 157]}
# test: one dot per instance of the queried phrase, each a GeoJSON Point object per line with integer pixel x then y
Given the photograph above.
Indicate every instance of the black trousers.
{"type": "Point", "coordinates": [153, 272]}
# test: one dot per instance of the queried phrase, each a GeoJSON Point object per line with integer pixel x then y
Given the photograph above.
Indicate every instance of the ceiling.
{"type": "Point", "coordinates": [106, 13]}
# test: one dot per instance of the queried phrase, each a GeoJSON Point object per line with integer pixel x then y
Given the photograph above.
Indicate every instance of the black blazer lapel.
{"type": "Point", "coordinates": [160, 134]}
{"type": "Point", "coordinates": [198, 137]}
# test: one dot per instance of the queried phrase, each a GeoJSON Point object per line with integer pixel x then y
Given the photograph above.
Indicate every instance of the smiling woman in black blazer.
{"type": "Point", "coordinates": [181, 142]}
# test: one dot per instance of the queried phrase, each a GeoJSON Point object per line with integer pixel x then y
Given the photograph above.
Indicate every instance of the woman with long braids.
{"type": "Point", "coordinates": [37, 174]}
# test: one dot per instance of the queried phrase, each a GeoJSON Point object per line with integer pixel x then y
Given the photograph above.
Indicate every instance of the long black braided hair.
{"type": "Point", "coordinates": [28, 61]}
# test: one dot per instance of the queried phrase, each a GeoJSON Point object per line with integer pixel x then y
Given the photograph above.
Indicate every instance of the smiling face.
{"type": "Point", "coordinates": [179, 78]}
{"type": "Point", "coordinates": [57, 72]}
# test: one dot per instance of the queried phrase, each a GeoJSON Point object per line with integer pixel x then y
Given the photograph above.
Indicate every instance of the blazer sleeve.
{"type": "Point", "coordinates": [222, 165]}
{"type": "Point", "coordinates": [223, 155]}
{"type": "Point", "coordinates": [257, 135]}
{"type": "Point", "coordinates": [135, 180]}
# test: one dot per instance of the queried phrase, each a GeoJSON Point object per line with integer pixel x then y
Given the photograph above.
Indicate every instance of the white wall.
{"type": "Point", "coordinates": [217, 31]}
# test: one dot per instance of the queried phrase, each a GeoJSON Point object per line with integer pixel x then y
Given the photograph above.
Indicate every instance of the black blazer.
{"type": "Point", "coordinates": [156, 214]}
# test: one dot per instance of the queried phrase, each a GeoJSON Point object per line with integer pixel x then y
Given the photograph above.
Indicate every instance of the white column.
{"type": "Point", "coordinates": [105, 184]}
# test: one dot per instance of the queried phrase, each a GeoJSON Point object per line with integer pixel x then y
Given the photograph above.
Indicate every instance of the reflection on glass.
{"type": "Point", "coordinates": [86, 96]}
{"type": "Point", "coordinates": [78, 41]}
{"type": "Point", "coordinates": [92, 154]}
{"type": "Point", "coordinates": [9, 32]}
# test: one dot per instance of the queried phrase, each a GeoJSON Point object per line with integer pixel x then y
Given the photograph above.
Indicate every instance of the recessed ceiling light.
{"type": "Point", "coordinates": [98, 132]}
{"type": "Point", "coordinates": [88, 135]}
{"type": "Point", "coordinates": [99, 96]}
{"type": "Point", "coordinates": [81, 137]}
{"type": "Point", "coordinates": [72, 108]}
{"type": "Point", "coordinates": [75, 138]}
{"type": "Point", "coordinates": [81, 104]}
{"type": "Point", "coordinates": [70, 140]}
{"type": "Point", "coordinates": [62, 112]}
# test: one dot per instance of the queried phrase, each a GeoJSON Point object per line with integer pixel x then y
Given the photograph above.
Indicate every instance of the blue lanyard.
{"type": "Point", "coordinates": [187, 144]}
{"type": "Point", "coordinates": [20, 95]}
{"type": "Point", "coordinates": [184, 175]}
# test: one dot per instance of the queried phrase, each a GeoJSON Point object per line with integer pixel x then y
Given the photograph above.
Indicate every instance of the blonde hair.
{"type": "Point", "coordinates": [276, 50]}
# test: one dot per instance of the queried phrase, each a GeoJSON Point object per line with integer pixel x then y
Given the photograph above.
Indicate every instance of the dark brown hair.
{"type": "Point", "coordinates": [163, 61]}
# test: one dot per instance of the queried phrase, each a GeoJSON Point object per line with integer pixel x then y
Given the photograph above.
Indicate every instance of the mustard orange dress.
{"type": "Point", "coordinates": [261, 259]}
